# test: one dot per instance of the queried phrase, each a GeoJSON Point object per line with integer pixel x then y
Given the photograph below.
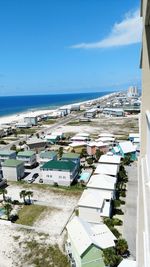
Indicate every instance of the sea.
{"type": "Point", "coordinates": [16, 104]}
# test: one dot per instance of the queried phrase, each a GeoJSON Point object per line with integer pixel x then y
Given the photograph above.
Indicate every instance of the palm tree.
{"type": "Point", "coordinates": [8, 208]}
{"type": "Point", "coordinates": [23, 195]}
{"type": "Point", "coordinates": [29, 194]}
{"type": "Point", "coordinates": [110, 257]}
{"type": "Point", "coordinates": [121, 246]}
{"type": "Point", "coordinates": [3, 191]}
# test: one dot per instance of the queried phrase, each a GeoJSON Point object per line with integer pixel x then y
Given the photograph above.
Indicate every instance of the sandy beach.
{"type": "Point", "coordinates": [19, 117]}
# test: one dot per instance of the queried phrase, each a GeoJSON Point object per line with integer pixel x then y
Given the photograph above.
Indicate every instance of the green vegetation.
{"type": "Point", "coordinates": [73, 190]}
{"type": "Point", "coordinates": [8, 208]}
{"type": "Point", "coordinates": [48, 122]}
{"type": "Point", "coordinates": [2, 142]}
{"type": "Point", "coordinates": [121, 246]}
{"type": "Point", "coordinates": [25, 131]}
{"type": "Point", "coordinates": [3, 191]}
{"type": "Point", "coordinates": [79, 123]}
{"type": "Point", "coordinates": [110, 257]}
{"type": "Point", "coordinates": [44, 255]}
{"type": "Point", "coordinates": [30, 213]}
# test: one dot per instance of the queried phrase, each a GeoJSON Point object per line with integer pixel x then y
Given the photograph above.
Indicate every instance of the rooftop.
{"type": "Point", "coordinates": [91, 198]}
{"type": "Point", "coordinates": [48, 154]}
{"type": "Point", "coordinates": [70, 156]}
{"type": "Point", "coordinates": [127, 147]}
{"type": "Point", "coordinates": [102, 181]}
{"type": "Point", "coordinates": [85, 234]}
{"type": "Point", "coordinates": [108, 158]}
{"type": "Point", "coordinates": [7, 152]}
{"type": "Point", "coordinates": [26, 153]}
{"type": "Point", "coordinates": [59, 165]}
{"type": "Point", "coordinates": [12, 163]}
{"type": "Point", "coordinates": [109, 169]}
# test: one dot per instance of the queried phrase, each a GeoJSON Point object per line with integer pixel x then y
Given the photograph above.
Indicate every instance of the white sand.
{"type": "Point", "coordinates": [15, 118]}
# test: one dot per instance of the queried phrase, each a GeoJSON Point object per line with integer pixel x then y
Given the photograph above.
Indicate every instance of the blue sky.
{"type": "Point", "coordinates": [60, 46]}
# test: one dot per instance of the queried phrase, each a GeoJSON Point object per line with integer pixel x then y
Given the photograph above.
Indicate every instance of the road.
{"type": "Point", "coordinates": [130, 211]}
{"type": "Point", "coordinates": [63, 121]}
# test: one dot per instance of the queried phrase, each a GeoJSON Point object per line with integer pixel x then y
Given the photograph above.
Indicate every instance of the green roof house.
{"type": "Point", "coordinates": [13, 169]}
{"type": "Point", "coordinates": [7, 154]}
{"type": "Point", "coordinates": [74, 157]}
{"type": "Point", "coordinates": [86, 242]}
{"type": "Point", "coordinates": [59, 172]}
{"type": "Point", "coordinates": [46, 156]}
{"type": "Point", "coordinates": [28, 157]}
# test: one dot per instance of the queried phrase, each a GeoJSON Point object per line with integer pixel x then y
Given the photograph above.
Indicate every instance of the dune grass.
{"type": "Point", "coordinates": [30, 213]}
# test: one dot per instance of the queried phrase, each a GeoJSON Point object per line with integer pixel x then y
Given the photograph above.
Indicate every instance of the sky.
{"type": "Point", "coordinates": [67, 46]}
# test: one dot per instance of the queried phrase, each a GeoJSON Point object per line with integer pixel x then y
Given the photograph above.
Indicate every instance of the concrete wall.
{"type": "Point", "coordinates": [13, 173]}
{"type": "Point", "coordinates": [59, 177]}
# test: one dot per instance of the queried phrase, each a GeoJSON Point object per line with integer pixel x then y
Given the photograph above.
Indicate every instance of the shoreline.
{"type": "Point", "coordinates": [19, 117]}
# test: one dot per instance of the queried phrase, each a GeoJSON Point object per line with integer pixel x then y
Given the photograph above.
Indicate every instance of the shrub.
{"type": "Point", "coordinates": [115, 232]}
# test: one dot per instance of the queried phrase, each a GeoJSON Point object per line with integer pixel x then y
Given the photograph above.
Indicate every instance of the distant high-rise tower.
{"type": "Point", "coordinates": [132, 91]}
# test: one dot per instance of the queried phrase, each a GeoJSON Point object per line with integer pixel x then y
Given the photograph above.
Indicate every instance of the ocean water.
{"type": "Point", "coordinates": [16, 104]}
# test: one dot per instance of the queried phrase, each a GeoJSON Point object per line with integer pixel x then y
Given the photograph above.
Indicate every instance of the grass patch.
{"type": "Point", "coordinates": [47, 122]}
{"type": "Point", "coordinates": [30, 213]}
{"type": "Point", "coordinates": [26, 131]}
{"type": "Point", "coordinates": [44, 255]}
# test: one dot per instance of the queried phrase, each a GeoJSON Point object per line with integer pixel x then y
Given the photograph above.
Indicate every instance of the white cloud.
{"type": "Point", "coordinates": [126, 32]}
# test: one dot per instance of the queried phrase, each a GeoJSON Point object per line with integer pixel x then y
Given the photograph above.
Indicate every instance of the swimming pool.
{"type": "Point", "coordinates": [85, 176]}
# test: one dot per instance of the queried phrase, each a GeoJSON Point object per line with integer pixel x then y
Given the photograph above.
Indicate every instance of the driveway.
{"type": "Point", "coordinates": [130, 209]}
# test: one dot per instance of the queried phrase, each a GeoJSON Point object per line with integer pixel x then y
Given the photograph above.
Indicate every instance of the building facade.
{"type": "Point", "coordinates": [143, 199]}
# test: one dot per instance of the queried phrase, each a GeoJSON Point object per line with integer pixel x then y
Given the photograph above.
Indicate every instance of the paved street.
{"type": "Point", "coordinates": [129, 226]}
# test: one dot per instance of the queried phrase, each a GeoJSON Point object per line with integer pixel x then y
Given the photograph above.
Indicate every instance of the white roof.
{"type": "Point", "coordinates": [127, 263]}
{"type": "Point", "coordinates": [106, 135]}
{"type": "Point", "coordinates": [127, 147]}
{"type": "Point", "coordinates": [83, 134]}
{"type": "Point", "coordinates": [136, 140]}
{"type": "Point", "coordinates": [92, 143]}
{"type": "Point", "coordinates": [116, 149]}
{"type": "Point", "coordinates": [76, 144]}
{"type": "Point", "coordinates": [115, 159]}
{"type": "Point", "coordinates": [102, 181]}
{"type": "Point", "coordinates": [101, 144]}
{"type": "Point", "coordinates": [106, 139]}
{"type": "Point", "coordinates": [91, 198]}
{"type": "Point", "coordinates": [78, 138]}
{"type": "Point", "coordinates": [134, 135]}
{"type": "Point", "coordinates": [57, 133]}
{"type": "Point", "coordinates": [91, 110]}
{"type": "Point", "coordinates": [85, 234]}
{"type": "Point", "coordinates": [51, 136]}
{"type": "Point", "coordinates": [110, 169]}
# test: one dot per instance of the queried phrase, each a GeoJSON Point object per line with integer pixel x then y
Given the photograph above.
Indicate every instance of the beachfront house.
{"type": "Point", "coordinates": [28, 157]}
{"type": "Point", "coordinates": [106, 135]}
{"type": "Point", "coordinates": [7, 154]}
{"type": "Point", "coordinates": [127, 148]}
{"type": "Point", "coordinates": [2, 133]}
{"type": "Point", "coordinates": [115, 112]}
{"type": "Point", "coordinates": [108, 169]}
{"type": "Point", "coordinates": [33, 120]}
{"type": "Point", "coordinates": [94, 205]}
{"type": "Point", "coordinates": [103, 182]}
{"type": "Point", "coordinates": [13, 170]}
{"type": "Point", "coordinates": [59, 172]}
{"type": "Point", "coordinates": [74, 157]}
{"type": "Point", "coordinates": [23, 125]}
{"type": "Point", "coordinates": [86, 242]}
{"type": "Point", "coordinates": [46, 156]}
{"type": "Point", "coordinates": [91, 113]}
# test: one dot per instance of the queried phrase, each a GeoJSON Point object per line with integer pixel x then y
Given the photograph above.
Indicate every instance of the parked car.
{"type": "Point", "coordinates": [30, 181]}
{"type": "Point", "coordinates": [35, 175]}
